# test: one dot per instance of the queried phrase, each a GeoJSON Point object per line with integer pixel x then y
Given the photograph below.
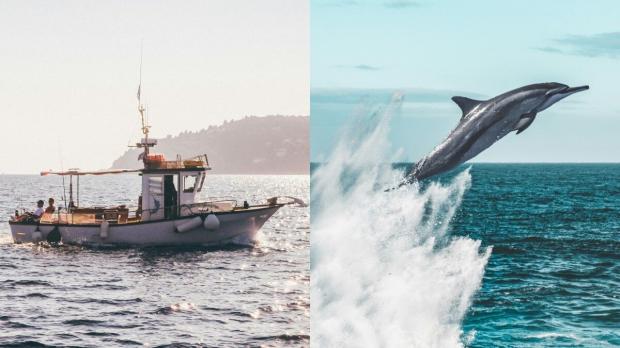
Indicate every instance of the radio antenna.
{"type": "Point", "coordinates": [141, 108]}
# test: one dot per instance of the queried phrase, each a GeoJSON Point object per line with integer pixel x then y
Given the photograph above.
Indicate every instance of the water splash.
{"type": "Point", "coordinates": [384, 270]}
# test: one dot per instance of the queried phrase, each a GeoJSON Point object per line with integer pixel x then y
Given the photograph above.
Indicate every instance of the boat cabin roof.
{"type": "Point", "coordinates": [91, 172]}
{"type": "Point", "coordinates": [172, 171]}
{"type": "Point", "coordinates": [122, 171]}
{"type": "Point", "coordinates": [153, 164]}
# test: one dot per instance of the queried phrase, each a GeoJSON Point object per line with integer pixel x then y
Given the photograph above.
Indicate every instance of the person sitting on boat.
{"type": "Point", "coordinates": [37, 213]}
{"type": "Point", "coordinates": [50, 206]}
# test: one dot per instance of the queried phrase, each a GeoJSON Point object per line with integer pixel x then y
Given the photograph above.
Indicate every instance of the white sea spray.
{"type": "Point", "coordinates": [385, 271]}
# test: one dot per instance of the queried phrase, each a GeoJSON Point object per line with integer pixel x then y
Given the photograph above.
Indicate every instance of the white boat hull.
{"type": "Point", "coordinates": [236, 227]}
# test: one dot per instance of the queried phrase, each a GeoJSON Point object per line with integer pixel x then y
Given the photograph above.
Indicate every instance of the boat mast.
{"type": "Point", "coordinates": [145, 142]}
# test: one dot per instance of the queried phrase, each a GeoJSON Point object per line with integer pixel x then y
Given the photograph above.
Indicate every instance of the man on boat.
{"type": "Point", "coordinates": [37, 213]}
{"type": "Point", "coordinates": [50, 206]}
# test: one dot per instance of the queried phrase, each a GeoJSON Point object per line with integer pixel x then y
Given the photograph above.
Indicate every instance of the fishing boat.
{"type": "Point", "coordinates": [168, 211]}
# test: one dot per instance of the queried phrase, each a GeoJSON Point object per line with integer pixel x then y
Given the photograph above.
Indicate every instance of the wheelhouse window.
{"type": "Point", "coordinates": [189, 183]}
{"type": "Point", "coordinates": [201, 182]}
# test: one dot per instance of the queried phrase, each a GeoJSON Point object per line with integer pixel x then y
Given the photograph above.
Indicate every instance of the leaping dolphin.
{"type": "Point", "coordinates": [485, 122]}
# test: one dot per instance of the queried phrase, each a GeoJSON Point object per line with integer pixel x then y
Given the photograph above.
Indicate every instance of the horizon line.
{"type": "Point", "coordinates": [259, 174]}
{"type": "Point", "coordinates": [484, 162]}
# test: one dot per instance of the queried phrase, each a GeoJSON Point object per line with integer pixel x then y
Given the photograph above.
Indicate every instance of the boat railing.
{"type": "Point", "coordinates": [218, 205]}
{"type": "Point", "coordinates": [197, 161]}
{"type": "Point", "coordinates": [124, 214]}
{"type": "Point", "coordinates": [95, 215]}
{"type": "Point", "coordinates": [220, 198]}
{"type": "Point", "coordinates": [157, 161]}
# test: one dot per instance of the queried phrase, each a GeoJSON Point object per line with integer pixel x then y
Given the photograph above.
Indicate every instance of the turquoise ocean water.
{"type": "Point", "coordinates": [553, 278]}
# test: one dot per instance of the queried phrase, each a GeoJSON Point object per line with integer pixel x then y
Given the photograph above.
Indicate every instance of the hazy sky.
{"type": "Point", "coordinates": [432, 50]}
{"type": "Point", "coordinates": [69, 72]}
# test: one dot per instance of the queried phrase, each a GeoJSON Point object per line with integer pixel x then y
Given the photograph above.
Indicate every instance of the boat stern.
{"type": "Point", "coordinates": [27, 233]}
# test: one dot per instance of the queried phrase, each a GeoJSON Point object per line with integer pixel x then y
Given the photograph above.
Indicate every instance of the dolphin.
{"type": "Point", "coordinates": [486, 121]}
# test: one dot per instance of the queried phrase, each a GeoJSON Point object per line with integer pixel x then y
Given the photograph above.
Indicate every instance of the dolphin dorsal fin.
{"type": "Point", "coordinates": [465, 104]}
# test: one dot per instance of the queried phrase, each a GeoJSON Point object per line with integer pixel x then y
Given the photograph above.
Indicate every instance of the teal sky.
{"type": "Point", "coordinates": [362, 51]}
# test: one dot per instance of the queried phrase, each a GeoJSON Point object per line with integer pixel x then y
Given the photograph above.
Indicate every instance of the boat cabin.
{"type": "Point", "coordinates": [169, 191]}
{"type": "Point", "coordinates": [170, 188]}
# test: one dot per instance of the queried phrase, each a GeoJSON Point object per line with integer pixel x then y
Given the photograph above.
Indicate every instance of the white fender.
{"type": "Point", "coordinates": [103, 230]}
{"type": "Point", "coordinates": [212, 222]}
{"type": "Point", "coordinates": [187, 225]}
{"type": "Point", "coordinates": [37, 236]}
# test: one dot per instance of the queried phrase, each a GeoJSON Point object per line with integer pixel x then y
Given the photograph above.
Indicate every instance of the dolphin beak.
{"type": "Point", "coordinates": [566, 91]}
{"type": "Point", "coordinates": [557, 94]}
{"type": "Point", "coordinates": [571, 90]}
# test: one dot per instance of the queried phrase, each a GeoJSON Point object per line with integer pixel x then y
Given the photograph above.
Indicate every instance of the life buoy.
{"type": "Point", "coordinates": [187, 225]}
{"type": "Point", "coordinates": [104, 229]}
{"type": "Point", "coordinates": [37, 235]}
{"type": "Point", "coordinates": [212, 222]}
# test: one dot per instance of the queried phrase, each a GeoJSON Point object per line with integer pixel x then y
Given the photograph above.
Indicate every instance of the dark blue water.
{"type": "Point", "coordinates": [553, 279]}
{"type": "Point", "coordinates": [236, 296]}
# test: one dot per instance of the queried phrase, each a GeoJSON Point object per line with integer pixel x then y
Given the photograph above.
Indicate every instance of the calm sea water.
{"type": "Point", "coordinates": [553, 278]}
{"type": "Point", "coordinates": [72, 296]}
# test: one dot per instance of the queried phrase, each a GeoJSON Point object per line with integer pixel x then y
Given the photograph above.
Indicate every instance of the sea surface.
{"type": "Point", "coordinates": [223, 297]}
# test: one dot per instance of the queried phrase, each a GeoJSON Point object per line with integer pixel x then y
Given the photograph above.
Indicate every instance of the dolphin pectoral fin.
{"type": "Point", "coordinates": [465, 104]}
{"type": "Point", "coordinates": [525, 121]}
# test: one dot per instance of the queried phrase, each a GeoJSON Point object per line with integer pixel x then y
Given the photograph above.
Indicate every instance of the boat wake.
{"type": "Point", "coordinates": [385, 272]}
